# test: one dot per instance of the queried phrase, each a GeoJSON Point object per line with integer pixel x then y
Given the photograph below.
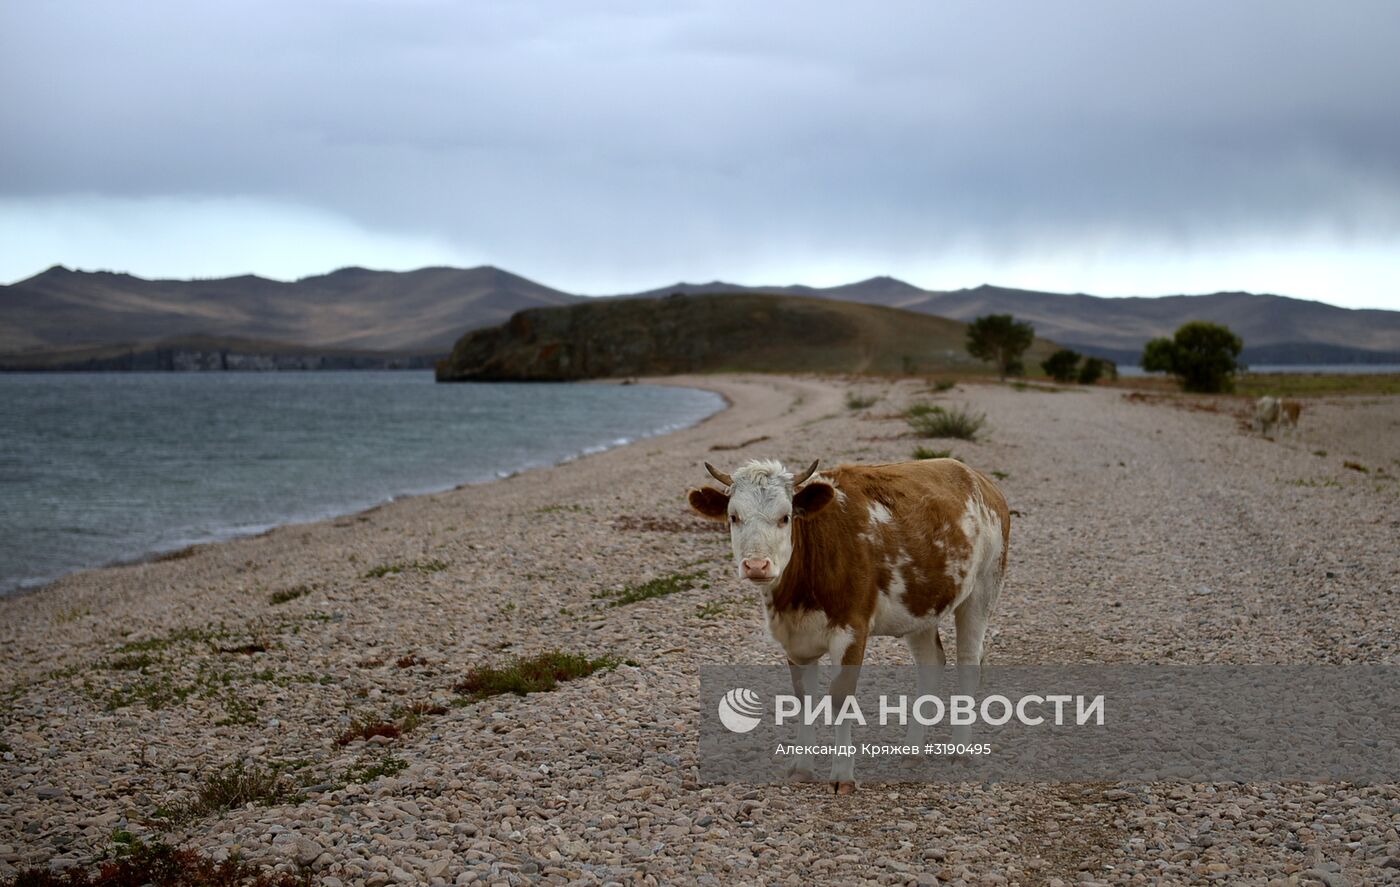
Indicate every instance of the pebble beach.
{"type": "Point", "coordinates": [1153, 529]}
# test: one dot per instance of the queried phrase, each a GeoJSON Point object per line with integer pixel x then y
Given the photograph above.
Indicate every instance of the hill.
{"type": "Point", "coordinates": [1275, 329]}
{"type": "Point", "coordinates": [887, 291]}
{"type": "Point", "coordinates": [711, 333]}
{"type": "Point", "coordinates": [421, 311]}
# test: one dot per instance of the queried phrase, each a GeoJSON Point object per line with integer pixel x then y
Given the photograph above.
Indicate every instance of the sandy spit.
{"type": "Point", "coordinates": [1148, 531]}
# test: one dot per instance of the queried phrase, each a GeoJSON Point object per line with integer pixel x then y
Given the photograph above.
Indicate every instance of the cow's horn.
{"type": "Point", "coordinates": [719, 475]}
{"type": "Point", "coordinates": [802, 478]}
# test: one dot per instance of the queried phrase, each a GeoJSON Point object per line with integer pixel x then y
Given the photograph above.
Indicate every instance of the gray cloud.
{"type": "Point", "coordinates": [573, 137]}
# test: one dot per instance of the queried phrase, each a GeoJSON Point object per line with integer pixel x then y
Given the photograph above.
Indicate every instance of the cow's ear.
{"type": "Point", "coordinates": [710, 503]}
{"type": "Point", "coordinates": [812, 498]}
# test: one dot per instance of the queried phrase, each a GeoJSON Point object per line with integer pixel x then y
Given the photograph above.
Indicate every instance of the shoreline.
{"type": "Point", "coordinates": [81, 592]}
{"type": "Point", "coordinates": [183, 549]}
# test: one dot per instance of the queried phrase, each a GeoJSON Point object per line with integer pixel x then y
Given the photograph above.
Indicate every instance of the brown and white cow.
{"type": "Point", "coordinates": [860, 551]}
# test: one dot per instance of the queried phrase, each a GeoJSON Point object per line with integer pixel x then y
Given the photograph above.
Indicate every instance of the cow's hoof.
{"type": "Point", "coordinates": [800, 774]}
{"type": "Point", "coordinates": [844, 788]}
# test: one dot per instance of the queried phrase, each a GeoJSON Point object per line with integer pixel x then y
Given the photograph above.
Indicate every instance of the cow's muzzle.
{"type": "Point", "coordinates": [757, 569]}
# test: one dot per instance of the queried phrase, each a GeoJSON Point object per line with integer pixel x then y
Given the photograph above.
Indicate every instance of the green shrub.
{"type": "Point", "coordinates": [1062, 365]}
{"type": "Point", "coordinates": [1092, 371]}
{"type": "Point", "coordinates": [959, 422]}
{"type": "Point", "coordinates": [1203, 356]}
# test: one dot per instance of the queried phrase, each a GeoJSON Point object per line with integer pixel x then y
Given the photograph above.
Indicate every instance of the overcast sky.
{"type": "Point", "coordinates": [1111, 147]}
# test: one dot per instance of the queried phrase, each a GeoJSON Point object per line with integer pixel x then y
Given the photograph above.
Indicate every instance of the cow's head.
{"type": "Point", "coordinates": [760, 503]}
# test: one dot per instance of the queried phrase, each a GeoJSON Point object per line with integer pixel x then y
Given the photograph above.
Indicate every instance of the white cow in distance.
{"type": "Point", "coordinates": [1275, 411]}
{"type": "Point", "coordinates": [1266, 413]}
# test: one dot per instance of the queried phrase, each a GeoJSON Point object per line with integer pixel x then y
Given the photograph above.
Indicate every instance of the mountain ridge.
{"type": "Point", "coordinates": [424, 311]}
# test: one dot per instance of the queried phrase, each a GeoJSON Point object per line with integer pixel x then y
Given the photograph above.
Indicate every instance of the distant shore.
{"type": "Point", "coordinates": [1133, 371]}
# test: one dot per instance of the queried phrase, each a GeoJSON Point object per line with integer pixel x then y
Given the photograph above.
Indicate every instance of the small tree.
{"type": "Point", "coordinates": [1002, 339]}
{"type": "Point", "coordinates": [1202, 355]}
{"type": "Point", "coordinates": [1092, 371]}
{"type": "Point", "coordinates": [1061, 365]}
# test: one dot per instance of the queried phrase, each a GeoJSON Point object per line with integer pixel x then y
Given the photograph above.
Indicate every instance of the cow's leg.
{"type": "Point", "coordinates": [848, 648]}
{"type": "Point", "coordinates": [929, 661]}
{"type": "Point", "coordinates": [972, 617]}
{"type": "Point", "coordinates": [804, 684]}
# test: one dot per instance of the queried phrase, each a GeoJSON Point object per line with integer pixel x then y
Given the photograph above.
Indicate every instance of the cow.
{"type": "Point", "coordinates": [1266, 413]}
{"type": "Point", "coordinates": [862, 551]}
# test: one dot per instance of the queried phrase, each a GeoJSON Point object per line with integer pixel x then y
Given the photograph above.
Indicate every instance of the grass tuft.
{"type": "Point", "coordinates": [428, 566]}
{"type": "Point", "coordinates": [860, 401]}
{"type": "Point", "coordinates": [573, 508]}
{"type": "Point", "coordinates": [930, 453]}
{"type": "Point", "coordinates": [228, 789]}
{"type": "Point", "coordinates": [156, 692]}
{"type": "Point", "coordinates": [1312, 384]}
{"type": "Point", "coordinates": [369, 771]}
{"type": "Point", "coordinates": [134, 662]}
{"type": "Point", "coordinates": [415, 714]}
{"type": "Point", "coordinates": [72, 614]}
{"type": "Point", "coordinates": [959, 422]}
{"type": "Point", "coordinates": [530, 674]}
{"type": "Point", "coordinates": [942, 385]}
{"type": "Point", "coordinates": [157, 864]}
{"type": "Point", "coordinates": [652, 588]}
{"type": "Point", "coordinates": [179, 636]}
{"type": "Point", "coordinates": [712, 610]}
{"type": "Point", "coordinates": [247, 649]}
{"type": "Point", "coordinates": [288, 594]}
{"type": "Point", "coordinates": [367, 730]}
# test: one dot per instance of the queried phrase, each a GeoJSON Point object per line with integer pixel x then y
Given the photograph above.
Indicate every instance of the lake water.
{"type": "Point", "coordinates": [101, 467]}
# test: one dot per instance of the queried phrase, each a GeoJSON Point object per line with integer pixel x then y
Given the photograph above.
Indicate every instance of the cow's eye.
{"type": "Point", "coordinates": [734, 519]}
{"type": "Point", "coordinates": [783, 521]}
